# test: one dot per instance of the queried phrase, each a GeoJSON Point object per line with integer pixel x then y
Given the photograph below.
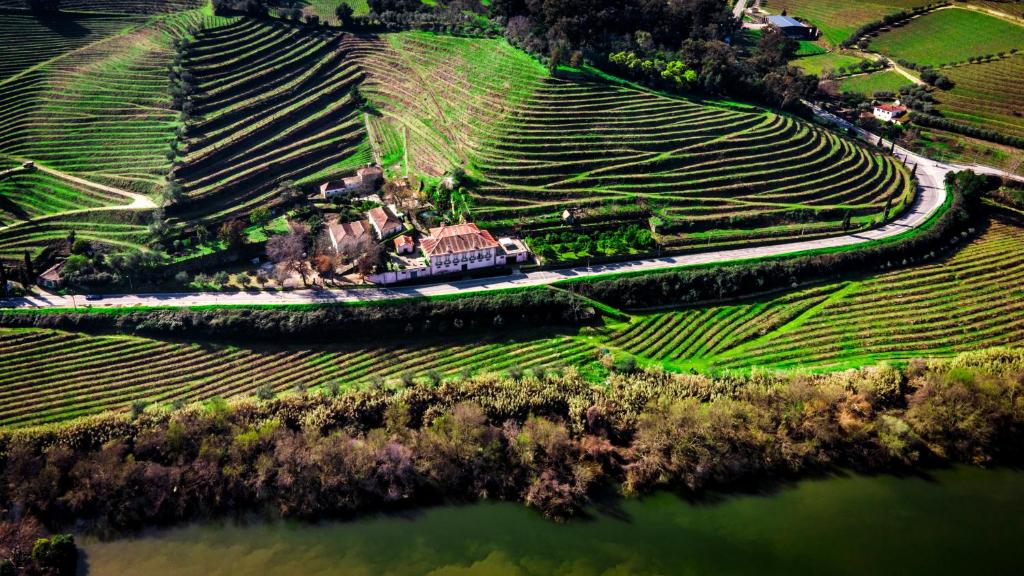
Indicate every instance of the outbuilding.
{"type": "Point", "coordinates": [791, 27]}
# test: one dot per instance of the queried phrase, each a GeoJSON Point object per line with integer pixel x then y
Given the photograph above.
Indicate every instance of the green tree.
{"type": "Point", "coordinates": [232, 234]}
{"type": "Point", "coordinates": [344, 14]}
{"type": "Point", "coordinates": [58, 554]}
{"type": "Point", "coordinates": [260, 216]}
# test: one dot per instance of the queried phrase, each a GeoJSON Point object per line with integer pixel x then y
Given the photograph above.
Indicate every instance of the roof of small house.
{"type": "Point", "coordinates": [785, 22]}
{"type": "Point", "coordinates": [53, 272]}
{"type": "Point", "coordinates": [457, 239]}
{"type": "Point", "coordinates": [383, 219]}
{"type": "Point", "coordinates": [333, 185]}
{"type": "Point", "coordinates": [404, 241]}
{"type": "Point", "coordinates": [891, 108]}
{"type": "Point", "coordinates": [370, 172]}
{"type": "Point", "coordinates": [345, 230]}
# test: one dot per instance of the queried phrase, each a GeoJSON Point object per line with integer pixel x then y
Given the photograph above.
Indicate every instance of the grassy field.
{"type": "Point", "coordinates": [117, 6]}
{"type": "Point", "coordinates": [971, 300]}
{"type": "Point", "coordinates": [538, 144]}
{"type": "Point", "coordinates": [830, 62]}
{"type": "Point", "coordinates": [946, 36]}
{"type": "Point", "coordinates": [990, 95]}
{"type": "Point", "coordinates": [868, 84]}
{"type": "Point", "coordinates": [838, 19]}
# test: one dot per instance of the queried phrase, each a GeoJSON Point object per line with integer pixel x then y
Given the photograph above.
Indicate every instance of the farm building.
{"type": "Point", "coordinates": [449, 250]}
{"type": "Point", "coordinates": [460, 248]}
{"type": "Point", "coordinates": [890, 113]}
{"type": "Point", "coordinates": [366, 181]}
{"type": "Point", "coordinates": [791, 27]}
{"type": "Point", "coordinates": [52, 278]}
{"type": "Point", "coordinates": [385, 223]}
{"type": "Point", "coordinates": [405, 245]}
{"type": "Point", "coordinates": [347, 235]}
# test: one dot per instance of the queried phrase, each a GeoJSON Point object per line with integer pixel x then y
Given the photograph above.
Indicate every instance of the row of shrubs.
{"type": "Point", "coordinates": [549, 440]}
{"type": "Point", "coordinates": [931, 121]}
{"type": "Point", "coordinates": [689, 285]}
{"type": "Point", "coordinates": [890, 20]}
{"type": "Point", "coordinates": [336, 323]}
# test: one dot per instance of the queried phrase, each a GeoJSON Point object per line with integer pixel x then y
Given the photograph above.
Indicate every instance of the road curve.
{"type": "Point", "coordinates": [932, 194]}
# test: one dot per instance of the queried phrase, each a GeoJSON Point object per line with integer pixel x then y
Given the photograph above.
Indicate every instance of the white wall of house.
{"type": "Point", "coordinates": [473, 260]}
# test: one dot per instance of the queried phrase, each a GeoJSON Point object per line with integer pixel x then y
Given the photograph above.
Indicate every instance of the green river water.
{"type": "Point", "coordinates": [958, 521]}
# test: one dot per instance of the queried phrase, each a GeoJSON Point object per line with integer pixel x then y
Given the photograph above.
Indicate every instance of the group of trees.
{"type": "Point", "coordinates": [621, 240]}
{"type": "Point", "coordinates": [676, 44]}
{"type": "Point", "coordinates": [932, 121]}
{"type": "Point", "coordinates": [549, 439]}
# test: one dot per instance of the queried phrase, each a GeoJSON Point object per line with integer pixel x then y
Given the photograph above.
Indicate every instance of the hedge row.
{"type": "Point", "coordinates": [929, 121]}
{"type": "Point", "coordinates": [327, 323]}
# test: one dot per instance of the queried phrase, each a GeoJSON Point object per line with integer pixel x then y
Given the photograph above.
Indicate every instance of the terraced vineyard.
{"type": "Point", "coordinates": [273, 103]}
{"type": "Point", "coordinates": [29, 195]}
{"type": "Point", "coordinates": [540, 144]}
{"type": "Point", "coordinates": [119, 6]}
{"type": "Point", "coordinates": [102, 113]}
{"type": "Point", "coordinates": [48, 375]}
{"type": "Point", "coordinates": [990, 95]}
{"type": "Point", "coordinates": [27, 40]}
{"type": "Point", "coordinates": [971, 301]}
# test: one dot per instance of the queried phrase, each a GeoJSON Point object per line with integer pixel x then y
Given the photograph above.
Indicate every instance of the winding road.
{"type": "Point", "coordinates": [931, 196]}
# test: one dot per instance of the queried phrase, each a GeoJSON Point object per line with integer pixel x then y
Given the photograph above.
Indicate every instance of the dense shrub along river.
{"type": "Point", "coordinates": [957, 521]}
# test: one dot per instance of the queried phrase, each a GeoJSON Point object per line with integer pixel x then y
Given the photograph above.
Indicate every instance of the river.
{"type": "Point", "coordinates": [957, 521]}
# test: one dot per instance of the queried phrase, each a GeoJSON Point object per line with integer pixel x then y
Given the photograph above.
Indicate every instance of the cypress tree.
{"type": "Point", "coordinates": [3, 280]}
{"type": "Point", "coordinates": [846, 222]}
{"type": "Point", "coordinates": [28, 265]}
{"type": "Point", "coordinates": [888, 205]}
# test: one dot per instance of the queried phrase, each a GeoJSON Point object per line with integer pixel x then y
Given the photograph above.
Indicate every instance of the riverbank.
{"type": "Point", "coordinates": [954, 521]}
{"type": "Point", "coordinates": [549, 440]}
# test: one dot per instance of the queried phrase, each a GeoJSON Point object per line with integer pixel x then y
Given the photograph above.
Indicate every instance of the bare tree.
{"type": "Point", "coordinates": [369, 254]}
{"type": "Point", "coordinates": [288, 253]}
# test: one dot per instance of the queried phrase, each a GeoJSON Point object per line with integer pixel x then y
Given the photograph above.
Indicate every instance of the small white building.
{"type": "Point", "coordinates": [890, 112]}
{"type": "Point", "coordinates": [405, 245]}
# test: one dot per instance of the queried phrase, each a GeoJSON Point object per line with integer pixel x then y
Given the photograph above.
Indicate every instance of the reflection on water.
{"type": "Point", "coordinates": [960, 521]}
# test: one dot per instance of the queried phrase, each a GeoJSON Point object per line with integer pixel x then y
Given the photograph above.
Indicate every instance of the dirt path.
{"type": "Point", "coordinates": [139, 201]}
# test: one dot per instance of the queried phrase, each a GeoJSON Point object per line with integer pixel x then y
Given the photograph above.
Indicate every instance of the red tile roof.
{"type": "Point", "coordinates": [343, 230]}
{"type": "Point", "coordinates": [403, 241]}
{"type": "Point", "coordinates": [382, 219]}
{"type": "Point", "coordinates": [891, 108]}
{"type": "Point", "coordinates": [457, 239]}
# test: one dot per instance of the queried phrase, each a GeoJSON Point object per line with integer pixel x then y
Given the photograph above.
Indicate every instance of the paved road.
{"type": "Point", "coordinates": [930, 174]}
